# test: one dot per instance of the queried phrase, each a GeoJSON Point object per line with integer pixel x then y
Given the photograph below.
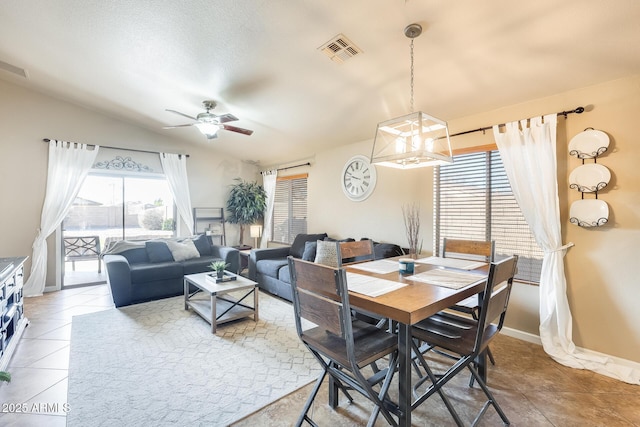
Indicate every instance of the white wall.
{"type": "Point", "coordinates": [602, 269]}
{"type": "Point", "coordinates": [26, 117]}
{"type": "Point", "coordinates": [380, 216]}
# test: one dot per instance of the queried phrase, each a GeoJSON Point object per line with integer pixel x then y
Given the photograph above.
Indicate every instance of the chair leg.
{"type": "Point", "coordinates": [493, 362]}
{"type": "Point", "coordinates": [443, 396]}
{"type": "Point", "coordinates": [491, 401]}
{"type": "Point", "coordinates": [384, 388]}
{"type": "Point", "coordinates": [303, 416]}
{"type": "Point", "coordinates": [491, 359]}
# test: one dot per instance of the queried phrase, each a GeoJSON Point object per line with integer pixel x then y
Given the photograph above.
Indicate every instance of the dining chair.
{"type": "Point", "coordinates": [465, 339]}
{"type": "Point", "coordinates": [345, 347]}
{"type": "Point", "coordinates": [355, 252]}
{"type": "Point", "coordinates": [476, 250]}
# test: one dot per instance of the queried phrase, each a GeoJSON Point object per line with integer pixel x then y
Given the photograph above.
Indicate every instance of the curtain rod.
{"type": "Point", "coordinates": [120, 148]}
{"type": "Point", "coordinates": [291, 167]}
{"type": "Point", "coordinates": [578, 110]}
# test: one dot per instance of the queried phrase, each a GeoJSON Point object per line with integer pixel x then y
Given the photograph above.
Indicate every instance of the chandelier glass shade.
{"type": "Point", "coordinates": [413, 140]}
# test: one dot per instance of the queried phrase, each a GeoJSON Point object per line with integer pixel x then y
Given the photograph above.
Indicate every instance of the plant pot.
{"type": "Point", "coordinates": [219, 274]}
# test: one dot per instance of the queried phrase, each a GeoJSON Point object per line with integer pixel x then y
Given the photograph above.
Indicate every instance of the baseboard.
{"type": "Point", "coordinates": [535, 339]}
{"type": "Point", "coordinates": [524, 336]}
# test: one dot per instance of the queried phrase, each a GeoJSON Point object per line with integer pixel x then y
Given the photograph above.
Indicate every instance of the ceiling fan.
{"type": "Point", "coordinates": [209, 123]}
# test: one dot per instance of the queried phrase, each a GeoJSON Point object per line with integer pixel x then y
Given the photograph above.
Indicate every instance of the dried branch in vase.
{"type": "Point", "coordinates": [411, 214]}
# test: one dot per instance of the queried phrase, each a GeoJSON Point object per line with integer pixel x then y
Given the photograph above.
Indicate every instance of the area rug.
{"type": "Point", "coordinates": [156, 364]}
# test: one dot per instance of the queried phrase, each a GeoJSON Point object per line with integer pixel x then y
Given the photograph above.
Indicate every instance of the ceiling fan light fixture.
{"type": "Point", "coordinates": [413, 140]}
{"type": "Point", "coordinates": [208, 129]}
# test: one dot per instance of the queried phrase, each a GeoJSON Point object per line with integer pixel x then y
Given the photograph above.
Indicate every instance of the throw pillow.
{"type": "Point", "coordinates": [327, 253]}
{"type": "Point", "coordinates": [297, 247]}
{"type": "Point", "coordinates": [202, 244]}
{"type": "Point", "coordinates": [158, 251]}
{"type": "Point", "coordinates": [309, 253]}
{"type": "Point", "coordinates": [182, 251]}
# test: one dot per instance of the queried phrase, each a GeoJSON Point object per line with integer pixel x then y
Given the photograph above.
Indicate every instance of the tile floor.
{"type": "Point", "coordinates": [532, 389]}
{"type": "Point", "coordinates": [39, 365]}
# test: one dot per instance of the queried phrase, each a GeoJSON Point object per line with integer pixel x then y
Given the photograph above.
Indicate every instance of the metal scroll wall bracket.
{"type": "Point", "coordinates": [589, 144]}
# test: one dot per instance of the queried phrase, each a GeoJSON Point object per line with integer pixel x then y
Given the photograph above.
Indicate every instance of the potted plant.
{"type": "Point", "coordinates": [246, 204]}
{"type": "Point", "coordinates": [5, 376]}
{"type": "Point", "coordinates": [219, 267]}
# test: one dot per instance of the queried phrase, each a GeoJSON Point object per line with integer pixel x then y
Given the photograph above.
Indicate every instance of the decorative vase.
{"type": "Point", "coordinates": [219, 274]}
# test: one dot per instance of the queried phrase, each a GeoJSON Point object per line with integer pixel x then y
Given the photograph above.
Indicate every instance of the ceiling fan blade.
{"type": "Point", "coordinates": [237, 129]}
{"type": "Point", "coordinates": [179, 126]}
{"type": "Point", "coordinates": [181, 114]}
{"type": "Point", "coordinates": [226, 118]}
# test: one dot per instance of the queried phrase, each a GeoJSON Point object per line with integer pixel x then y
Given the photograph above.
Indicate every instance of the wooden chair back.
{"type": "Point", "coordinates": [468, 249]}
{"type": "Point", "coordinates": [355, 252]}
{"type": "Point", "coordinates": [319, 294]}
{"type": "Point", "coordinates": [495, 300]}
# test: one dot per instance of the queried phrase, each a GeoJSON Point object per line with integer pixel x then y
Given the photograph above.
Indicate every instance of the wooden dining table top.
{"type": "Point", "coordinates": [416, 301]}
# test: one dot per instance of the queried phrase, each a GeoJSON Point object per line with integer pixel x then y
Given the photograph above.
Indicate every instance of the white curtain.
{"type": "Point", "coordinates": [269, 179]}
{"type": "Point", "coordinates": [528, 152]}
{"type": "Point", "coordinates": [175, 169]}
{"type": "Point", "coordinates": [69, 164]}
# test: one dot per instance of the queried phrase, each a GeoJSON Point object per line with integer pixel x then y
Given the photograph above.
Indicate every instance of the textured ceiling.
{"type": "Point", "coordinates": [259, 60]}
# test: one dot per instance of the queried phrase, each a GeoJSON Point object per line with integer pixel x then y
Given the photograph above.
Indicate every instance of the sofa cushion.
{"type": "Point", "coordinates": [386, 250]}
{"type": "Point", "coordinates": [283, 274]}
{"type": "Point", "coordinates": [202, 244]}
{"type": "Point", "coordinates": [309, 253]}
{"type": "Point", "coordinates": [297, 247]}
{"type": "Point", "coordinates": [136, 256]}
{"type": "Point", "coordinates": [327, 253]}
{"type": "Point", "coordinates": [271, 267]}
{"type": "Point", "coordinates": [198, 265]}
{"type": "Point", "coordinates": [158, 251]}
{"type": "Point", "coordinates": [141, 273]}
{"type": "Point", "coordinates": [182, 251]}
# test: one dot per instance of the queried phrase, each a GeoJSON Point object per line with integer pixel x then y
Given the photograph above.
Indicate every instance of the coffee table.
{"type": "Point", "coordinates": [212, 301]}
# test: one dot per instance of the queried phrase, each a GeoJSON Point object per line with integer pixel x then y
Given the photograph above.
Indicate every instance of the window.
{"type": "Point", "coordinates": [473, 200]}
{"type": "Point", "coordinates": [290, 208]}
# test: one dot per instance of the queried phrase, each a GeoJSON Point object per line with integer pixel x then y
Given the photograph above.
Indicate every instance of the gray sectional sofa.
{"type": "Point", "coordinates": [153, 269]}
{"type": "Point", "coordinates": [269, 267]}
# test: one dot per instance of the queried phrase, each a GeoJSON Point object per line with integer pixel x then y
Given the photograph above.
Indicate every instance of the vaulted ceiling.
{"type": "Point", "coordinates": [261, 61]}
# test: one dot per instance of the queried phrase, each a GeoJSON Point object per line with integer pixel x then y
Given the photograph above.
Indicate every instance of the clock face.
{"type": "Point", "coordinates": [358, 178]}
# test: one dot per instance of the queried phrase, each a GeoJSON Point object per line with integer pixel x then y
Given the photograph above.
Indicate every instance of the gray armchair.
{"type": "Point", "coordinates": [270, 268]}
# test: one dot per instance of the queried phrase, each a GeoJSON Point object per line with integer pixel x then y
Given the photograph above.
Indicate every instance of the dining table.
{"type": "Point", "coordinates": [378, 287]}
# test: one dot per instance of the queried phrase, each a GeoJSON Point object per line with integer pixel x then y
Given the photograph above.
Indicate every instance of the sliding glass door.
{"type": "Point", "coordinates": [112, 207]}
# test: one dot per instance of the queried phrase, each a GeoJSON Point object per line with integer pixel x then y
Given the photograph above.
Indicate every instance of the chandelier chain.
{"type": "Point", "coordinates": [411, 76]}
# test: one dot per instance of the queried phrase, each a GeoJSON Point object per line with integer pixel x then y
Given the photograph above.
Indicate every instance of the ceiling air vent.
{"type": "Point", "coordinates": [13, 69]}
{"type": "Point", "coordinates": [340, 48]}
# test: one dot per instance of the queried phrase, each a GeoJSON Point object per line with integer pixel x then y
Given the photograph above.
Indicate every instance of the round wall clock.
{"type": "Point", "coordinates": [358, 178]}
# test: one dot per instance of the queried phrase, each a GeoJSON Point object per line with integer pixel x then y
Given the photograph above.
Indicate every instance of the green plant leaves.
{"type": "Point", "coordinates": [246, 203]}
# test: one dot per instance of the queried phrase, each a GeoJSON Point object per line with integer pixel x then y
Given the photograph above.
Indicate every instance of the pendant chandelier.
{"type": "Point", "coordinates": [413, 140]}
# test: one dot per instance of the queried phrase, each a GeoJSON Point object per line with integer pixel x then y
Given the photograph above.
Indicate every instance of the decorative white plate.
{"type": "Point", "coordinates": [589, 178]}
{"type": "Point", "coordinates": [589, 144]}
{"type": "Point", "coordinates": [589, 213]}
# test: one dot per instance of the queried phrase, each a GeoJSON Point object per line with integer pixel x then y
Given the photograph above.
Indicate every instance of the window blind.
{"type": "Point", "coordinates": [473, 200]}
{"type": "Point", "coordinates": [290, 209]}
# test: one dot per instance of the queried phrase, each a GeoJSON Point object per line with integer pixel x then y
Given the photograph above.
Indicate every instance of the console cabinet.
{"type": "Point", "coordinates": [12, 319]}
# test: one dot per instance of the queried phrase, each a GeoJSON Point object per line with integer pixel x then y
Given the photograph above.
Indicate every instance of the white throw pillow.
{"type": "Point", "coordinates": [184, 250]}
{"type": "Point", "coordinates": [327, 253]}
